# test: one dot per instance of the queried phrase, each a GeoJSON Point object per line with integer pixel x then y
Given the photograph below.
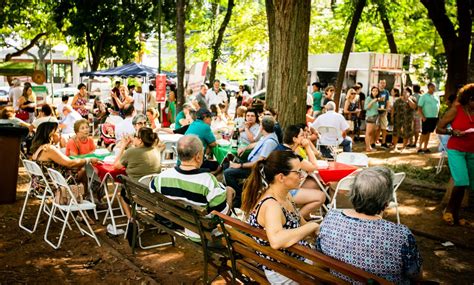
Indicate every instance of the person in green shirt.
{"type": "Point", "coordinates": [317, 97]}
{"type": "Point", "coordinates": [172, 107]}
{"type": "Point", "coordinates": [183, 118]}
{"type": "Point", "coordinates": [428, 109]}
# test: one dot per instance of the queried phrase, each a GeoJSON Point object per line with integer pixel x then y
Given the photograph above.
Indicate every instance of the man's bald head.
{"type": "Point", "coordinates": [188, 147]}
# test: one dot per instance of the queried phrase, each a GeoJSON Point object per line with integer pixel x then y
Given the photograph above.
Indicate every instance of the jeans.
{"type": "Point", "coordinates": [346, 147]}
{"type": "Point", "coordinates": [232, 177]}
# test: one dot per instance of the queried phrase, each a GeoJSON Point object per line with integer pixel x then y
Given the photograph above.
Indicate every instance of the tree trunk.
{"type": "Point", "coordinates": [216, 47]}
{"type": "Point", "coordinates": [288, 27]}
{"type": "Point", "coordinates": [180, 50]}
{"type": "Point", "coordinates": [470, 77]}
{"type": "Point", "coordinates": [359, 6]}
{"type": "Point", "coordinates": [387, 28]}
{"type": "Point", "coordinates": [455, 41]}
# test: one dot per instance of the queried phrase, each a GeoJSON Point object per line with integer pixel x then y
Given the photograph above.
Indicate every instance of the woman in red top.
{"type": "Point", "coordinates": [460, 150]}
{"type": "Point", "coordinates": [81, 143]}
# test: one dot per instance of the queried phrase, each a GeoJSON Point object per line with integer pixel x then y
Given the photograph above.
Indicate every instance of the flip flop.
{"type": "Point", "coordinates": [448, 218]}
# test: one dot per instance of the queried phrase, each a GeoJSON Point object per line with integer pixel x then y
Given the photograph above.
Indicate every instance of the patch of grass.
{"type": "Point", "coordinates": [427, 174]}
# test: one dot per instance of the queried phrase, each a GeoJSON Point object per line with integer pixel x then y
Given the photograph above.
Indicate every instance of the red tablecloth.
{"type": "Point", "coordinates": [104, 168]}
{"type": "Point", "coordinates": [336, 171]}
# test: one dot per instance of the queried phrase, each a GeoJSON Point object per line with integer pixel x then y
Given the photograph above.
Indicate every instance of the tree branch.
{"type": "Point", "coordinates": [9, 56]}
{"type": "Point", "coordinates": [444, 26]}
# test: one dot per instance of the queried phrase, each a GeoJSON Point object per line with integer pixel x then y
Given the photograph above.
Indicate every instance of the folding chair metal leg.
{"type": "Point", "coordinates": [63, 228]}
{"type": "Point", "coordinates": [42, 208]}
{"type": "Point", "coordinates": [140, 243]}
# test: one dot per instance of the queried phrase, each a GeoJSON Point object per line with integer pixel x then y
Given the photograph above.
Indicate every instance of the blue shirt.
{"type": "Point", "coordinates": [385, 95]}
{"type": "Point", "coordinates": [264, 147]}
{"type": "Point", "coordinates": [203, 131]}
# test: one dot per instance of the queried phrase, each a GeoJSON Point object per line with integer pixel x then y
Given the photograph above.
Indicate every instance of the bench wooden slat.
{"type": "Point", "coordinates": [282, 257]}
{"type": "Point", "coordinates": [250, 270]}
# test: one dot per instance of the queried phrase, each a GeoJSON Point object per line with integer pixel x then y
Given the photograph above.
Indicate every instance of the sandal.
{"type": "Point", "coordinates": [448, 218]}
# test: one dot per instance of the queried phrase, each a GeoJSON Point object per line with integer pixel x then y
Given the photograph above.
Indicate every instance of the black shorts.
{"type": "Point", "coordinates": [429, 125]}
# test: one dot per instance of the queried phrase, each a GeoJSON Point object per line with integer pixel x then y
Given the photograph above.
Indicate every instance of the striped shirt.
{"type": "Point", "coordinates": [192, 186]}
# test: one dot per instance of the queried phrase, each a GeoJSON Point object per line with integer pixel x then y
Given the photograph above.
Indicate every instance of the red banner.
{"type": "Point", "coordinates": [160, 88]}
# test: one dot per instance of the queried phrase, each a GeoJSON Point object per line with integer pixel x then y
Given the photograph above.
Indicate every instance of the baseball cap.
{"type": "Point", "coordinates": [203, 113]}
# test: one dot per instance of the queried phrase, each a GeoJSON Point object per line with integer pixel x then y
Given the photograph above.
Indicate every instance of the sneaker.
{"type": "Point", "coordinates": [427, 151]}
{"type": "Point", "coordinates": [384, 145]}
{"type": "Point", "coordinates": [372, 145]}
{"type": "Point", "coordinates": [420, 151]}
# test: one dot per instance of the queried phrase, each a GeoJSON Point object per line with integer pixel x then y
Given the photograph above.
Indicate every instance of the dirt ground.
{"type": "Point", "coordinates": [26, 258]}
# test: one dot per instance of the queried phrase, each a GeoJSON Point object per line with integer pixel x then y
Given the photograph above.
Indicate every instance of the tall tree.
{"type": "Point", "coordinates": [216, 45]}
{"type": "Point", "coordinates": [180, 49]}
{"type": "Point", "coordinates": [456, 41]}
{"type": "Point", "coordinates": [359, 7]}
{"type": "Point", "coordinates": [288, 27]}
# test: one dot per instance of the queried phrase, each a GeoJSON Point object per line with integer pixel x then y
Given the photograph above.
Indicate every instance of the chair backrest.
{"type": "Point", "coordinates": [329, 131]}
{"type": "Point", "coordinates": [187, 215]}
{"type": "Point", "coordinates": [345, 183]}
{"type": "Point", "coordinates": [397, 180]}
{"type": "Point", "coordinates": [353, 158]}
{"type": "Point", "coordinates": [32, 168]}
{"type": "Point", "coordinates": [145, 180]}
{"type": "Point", "coordinates": [57, 178]}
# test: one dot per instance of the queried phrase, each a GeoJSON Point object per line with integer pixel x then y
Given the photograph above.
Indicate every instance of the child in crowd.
{"type": "Point", "coordinates": [240, 117]}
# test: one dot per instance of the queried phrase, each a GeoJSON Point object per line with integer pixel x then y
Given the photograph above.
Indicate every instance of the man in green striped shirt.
{"type": "Point", "coordinates": [188, 183]}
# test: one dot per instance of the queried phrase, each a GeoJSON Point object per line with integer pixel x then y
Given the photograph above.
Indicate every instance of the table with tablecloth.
{"type": "Point", "coordinates": [103, 168]}
{"type": "Point", "coordinates": [335, 171]}
{"type": "Point", "coordinates": [99, 156]}
{"type": "Point", "coordinates": [221, 152]}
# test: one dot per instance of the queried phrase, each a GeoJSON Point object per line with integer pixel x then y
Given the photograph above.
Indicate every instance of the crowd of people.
{"type": "Point", "coordinates": [269, 177]}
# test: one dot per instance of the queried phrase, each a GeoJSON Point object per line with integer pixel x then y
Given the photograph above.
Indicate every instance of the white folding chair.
{"type": "Point", "coordinates": [324, 187]}
{"type": "Point", "coordinates": [330, 132]}
{"type": "Point", "coordinates": [33, 170]}
{"type": "Point", "coordinates": [345, 184]}
{"type": "Point", "coordinates": [73, 206]}
{"type": "Point", "coordinates": [146, 181]}
{"type": "Point", "coordinates": [169, 156]}
{"type": "Point", "coordinates": [93, 178]}
{"type": "Point", "coordinates": [353, 158]}
{"type": "Point", "coordinates": [111, 199]}
{"type": "Point", "coordinates": [444, 155]}
{"type": "Point", "coordinates": [397, 181]}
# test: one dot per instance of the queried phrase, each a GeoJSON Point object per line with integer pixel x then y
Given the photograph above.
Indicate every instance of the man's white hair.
{"type": "Point", "coordinates": [330, 106]}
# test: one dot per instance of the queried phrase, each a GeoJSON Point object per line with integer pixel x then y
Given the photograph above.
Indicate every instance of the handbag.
{"type": "Point", "coordinates": [63, 197]}
{"type": "Point", "coordinates": [22, 115]}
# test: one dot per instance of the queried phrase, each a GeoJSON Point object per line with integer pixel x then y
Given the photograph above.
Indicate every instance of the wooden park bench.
{"type": "Point", "coordinates": [186, 215]}
{"type": "Point", "coordinates": [244, 262]}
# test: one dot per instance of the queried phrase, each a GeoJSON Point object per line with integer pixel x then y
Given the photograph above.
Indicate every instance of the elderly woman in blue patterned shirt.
{"type": "Point", "coordinates": [362, 238]}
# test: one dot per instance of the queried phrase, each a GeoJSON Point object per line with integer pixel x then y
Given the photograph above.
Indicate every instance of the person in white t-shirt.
{"type": "Point", "coordinates": [67, 124]}
{"type": "Point", "coordinates": [138, 100]}
{"type": "Point", "coordinates": [45, 115]}
{"type": "Point", "coordinates": [59, 108]}
{"type": "Point", "coordinates": [336, 120]}
{"type": "Point", "coordinates": [15, 93]}
{"type": "Point", "coordinates": [216, 95]}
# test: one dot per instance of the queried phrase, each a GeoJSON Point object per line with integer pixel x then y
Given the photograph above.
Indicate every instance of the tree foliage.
{"type": "Point", "coordinates": [106, 29]}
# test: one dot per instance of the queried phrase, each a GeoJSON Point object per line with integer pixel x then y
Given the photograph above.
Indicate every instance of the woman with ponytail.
{"type": "Point", "coordinates": [267, 204]}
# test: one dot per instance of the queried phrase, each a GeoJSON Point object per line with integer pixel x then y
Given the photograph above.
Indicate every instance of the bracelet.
{"type": "Point", "coordinates": [241, 165]}
{"type": "Point", "coordinates": [449, 131]}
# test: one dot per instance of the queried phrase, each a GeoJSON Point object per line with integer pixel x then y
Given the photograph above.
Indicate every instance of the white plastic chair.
{"type": "Point", "coordinates": [332, 132]}
{"type": "Point", "coordinates": [324, 187]}
{"type": "Point", "coordinates": [169, 156]}
{"type": "Point", "coordinates": [397, 181]}
{"type": "Point", "coordinates": [353, 158]}
{"type": "Point", "coordinates": [145, 180]}
{"type": "Point", "coordinates": [444, 155]}
{"type": "Point", "coordinates": [344, 184]}
{"type": "Point", "coordinates": [73, 206]}
{"type": "Point", "coordinates": [33, 170]}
